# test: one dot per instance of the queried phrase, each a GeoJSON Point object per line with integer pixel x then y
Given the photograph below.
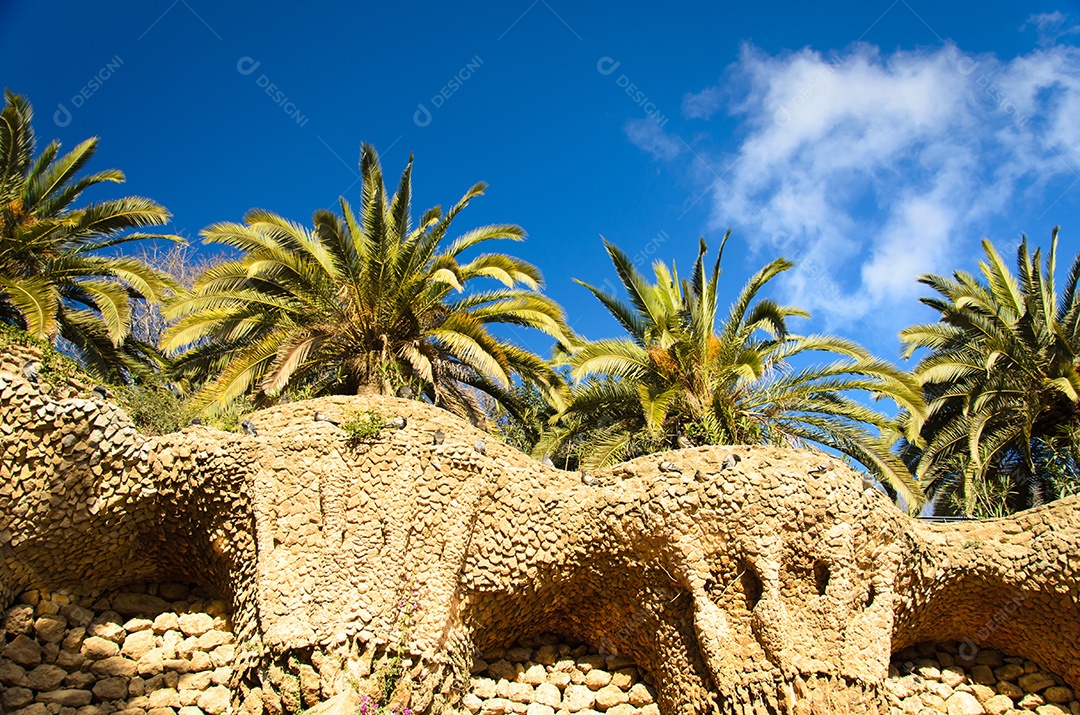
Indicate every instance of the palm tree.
{"type": "Point", "coordinates": [1001, 383]}
{"type": "Point", "coordinates": [679, 377]}
{"type": "Point", "coordinates": [55, 283]}
{"type": "Point", "coordinates": [362, 303]}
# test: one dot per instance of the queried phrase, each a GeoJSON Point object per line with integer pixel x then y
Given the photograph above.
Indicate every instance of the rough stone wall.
{"type": "Point", "coordinates": [166, 651]}
{"type": "Point", "coordinates": [773, 582]}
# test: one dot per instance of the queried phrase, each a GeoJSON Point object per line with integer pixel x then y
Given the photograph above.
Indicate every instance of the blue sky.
{"type": "Point", "coordinates": [869, 141]}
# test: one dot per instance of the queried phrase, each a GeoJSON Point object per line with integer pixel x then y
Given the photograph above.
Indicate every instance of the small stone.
{"type": "Point", "coordinates": [1050, 709]}
{"type": "Point", "coordinates": [989, 657]}
{"type": "Point", "coordinates": [1034, 682]}
{"type": "Point", "coordinates": [483, 687]}
{"type": "Point", "coordinates": [15, 698]}
{"type": "Point", "coordinates": [953, 676]}
{"type": "Point", "coordinates": [190, 710]}
{"type": "Point", "coordinates": [596, 679]}
{"type": "Point", "coordinates": [66, 698]}
{"type": "Point", "coordinates": [166, 622]}
{"type": "Point", "coordinates": [11, 674]}
{"type": "Point", "coordinates": [495, 706]}
{"type": "Point", "coordinates": [559, 679]}
{"type": "Point", "coordinates": [104, 627]}
{"type": "Point", "coordinates": [69, 661]}
{"type": "Point", "coordinates": [1009, 671]}
{"type": "Point", "coordinates": [216, 700]}
{"type": "Point", "coordinates": [139, 643]}
{"type": "Point", "coordinates": [117, 665]}
{"type": "Point", "coordinates": [80, 681]}
{"type": "Point", "coordinates": [503, 669]}
{"type": "Point", "coordinates": [45, 677]}
{"type": "Point", "coordinates": [23, 651]}
{"type": "Point", "coordinates": [1058, 694]}
{"type": "Point", "coordinates": [623, 709]}
{"type": "Point", "coordinates": [19, 620]}
{"type": "Point", "coordinates": [520, 693]}
{"type": "Point", "coordinates": [1012, 690]}
{"type": "Point", "coordinates": [35, 709]}
{"type": "Point", "coordinates": [111, 689]}
{"type": "Point", "coordinates": [963, 704]}
{"type": "Point", "coordinates": [164, 698]}
{"type": "Point", "coordinates": [472, 703]}
{"type": "Point", "coordinates": [982, 693]}
{"type": "Point", "coordinates": [539, 709]}
{"type": "Point", "coordinates": [548, 694]}
{"type": "Point", "coordinates": [139, 604]}
{"type": "Point", "coordinates": [609, 696]}
{"type": "Point", "coordinates": [173, 591]}
{"type": "Point", "coordinates": [151, 663]}
{"type": "Point", "coordinates": [77, 615]}
{"type": "Point", "coordinates": [577, 698]}
{"type": "Point", "coordinates": [1030, 701]}
{"type": "Point", "coordinates": [534, 674]}
{"type": "Point", "coordinates": [546, 655]}
{"type": "Point", "coordinates": [135, 625]}
{"type": "Point", "coordinates": [998, 705]}
{"type": "Point", "coordinates": [194, 681]}
{"type": "Point", "coordinates": [519, 655]}
{"type": "Point", "coordinates": [639, 695]}
{"type": "Point", "coordinates": [982, 674]}
{"type": "Point", "coordinates": [195, 624]}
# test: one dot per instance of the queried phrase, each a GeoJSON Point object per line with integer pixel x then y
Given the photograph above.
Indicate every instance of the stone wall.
{"type": "Point", "coordinates": [167, 649]}
{"type": "Point", "coordinates": [747, 577]}
{"type": "Point", "coordinates": [163, 650]}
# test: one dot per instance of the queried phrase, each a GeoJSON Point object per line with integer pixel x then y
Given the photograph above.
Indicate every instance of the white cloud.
{"type": "Point", "coordinates": [648, 135]}
{"type": "Point", "coordinates": [871, 169]}
{"type": "Point", "coordinates": [1051, 26]}
{"type": "Point", "coordinates": [703, 104]}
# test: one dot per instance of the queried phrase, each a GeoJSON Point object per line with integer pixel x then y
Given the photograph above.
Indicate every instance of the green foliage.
{"type": "Point", "coordinates": [55, 366]}
{"type": "Point", "coordinates": [1000, 377]}
{"type": "Point", "coordinates": [154, 408]}
{"type": "Point", "coordinates": [680, 373]}
{"type": "Point", "coordinates": [363, 426]}
{"type": "Point", "coordinates": [55, 281]}
{"type": "Point", "coordinates": [362, 302]}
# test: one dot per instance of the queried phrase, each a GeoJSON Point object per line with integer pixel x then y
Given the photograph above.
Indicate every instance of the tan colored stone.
{"type": "Point", "coordinates": [1058, 694]}
{"type": "Point", "coordinates": [111, 688]}
{"type": "Point", "coordinates": [609, 696]}
{"type": "Point", "coordinates": [577, 698]}
{"type": "Point", "coordinates": [137, 644]}
{"type": "Point", "coordinates": [15, 698]}
{"type": "Point", "coordinates": [66, 698]}
{"type": "Point", "coordinates": [45, 677]}
{"type": "Point", "coordinates": [548, 694]}
{"type": "Point", "coordinates": [998, 705]}
{"type": "Point", "coordinates": [963, 704]}
{"type": "Point", "coordinates": [23, 651]}
{"type": "Point", "coordinates": [98, 648]}
{"type": "Point", "coordinates": [215, 700]}
{"type": "Point", "coordinates": [117, 665]}
{"type": "Point", "coordinates": [195, 624]}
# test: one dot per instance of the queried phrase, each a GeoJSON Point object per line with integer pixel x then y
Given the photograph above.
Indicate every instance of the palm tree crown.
{"type": "Point", "coordinates": [677, 376]}
{"type": "Point", "coordinates": [54, 280]}
{"type": "Point", "coordinates": [1001, 381]}
{"type": "Point", "coordinates": [363, 303]}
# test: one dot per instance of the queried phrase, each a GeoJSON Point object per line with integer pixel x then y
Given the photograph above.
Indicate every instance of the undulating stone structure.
{"type": "Point", "coordinates": [382, 570]}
